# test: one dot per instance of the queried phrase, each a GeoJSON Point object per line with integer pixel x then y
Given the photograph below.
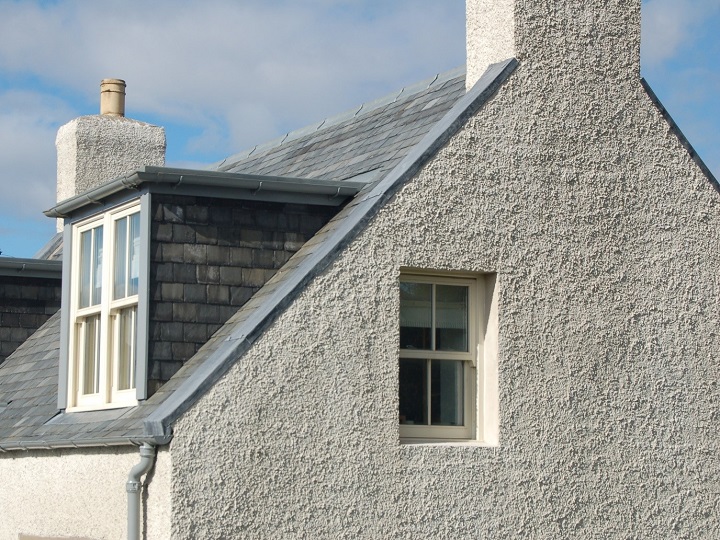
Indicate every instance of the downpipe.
{"type": "Point", "coordinates": [133, 486]}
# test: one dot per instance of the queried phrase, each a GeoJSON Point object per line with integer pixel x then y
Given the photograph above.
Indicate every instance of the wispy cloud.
{"type": "Point", "coordinates": [672, 26]}
{"type": "Point", "coordinates": [28, 123]}
{"type": "Point", "coordinates": [222, 75]}
{"type": "Point", "coordinates": [255, 67]}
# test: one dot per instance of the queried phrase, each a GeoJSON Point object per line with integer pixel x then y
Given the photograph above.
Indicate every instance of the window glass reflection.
{"type": "Point", "coordinates": [415, 315]}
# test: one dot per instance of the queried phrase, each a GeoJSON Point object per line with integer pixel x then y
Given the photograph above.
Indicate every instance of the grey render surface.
{"type": "Point", "coordinates": [30, 419]}
{"type": "Point", "coordinates": [572, 187]}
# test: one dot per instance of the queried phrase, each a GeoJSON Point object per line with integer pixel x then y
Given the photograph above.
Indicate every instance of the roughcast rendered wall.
{"type": "Point", "coordinates": [79, 493]}
{"type": "Point", "coordinates": [604, 235]}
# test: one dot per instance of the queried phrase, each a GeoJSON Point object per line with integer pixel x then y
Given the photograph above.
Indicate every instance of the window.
{"type": "Point", "coordinates": [104, 310]}
{"type": "Point", "coordinates": [441, 330]}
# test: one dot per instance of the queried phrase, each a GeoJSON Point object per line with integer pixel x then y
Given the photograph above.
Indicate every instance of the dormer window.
{"type": "Point", "coordinates": [103, 344]}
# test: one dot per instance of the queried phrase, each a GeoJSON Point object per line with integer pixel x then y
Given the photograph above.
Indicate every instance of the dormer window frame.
{"type": "Point", "coordinates": [110, 313]}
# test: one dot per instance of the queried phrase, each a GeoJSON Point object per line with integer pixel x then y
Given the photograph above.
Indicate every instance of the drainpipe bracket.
{"type": "Point", "coordinates": [132, 487]}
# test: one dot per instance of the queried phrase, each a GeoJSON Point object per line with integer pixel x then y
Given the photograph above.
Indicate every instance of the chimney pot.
{"type": "Point", "coordinates": [112, 97]}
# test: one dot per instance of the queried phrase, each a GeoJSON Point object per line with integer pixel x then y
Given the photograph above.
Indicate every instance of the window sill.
{"type": "Point", "coordinates": [103, 407]}
{"type": "Point", "coordinates": [440, 443]}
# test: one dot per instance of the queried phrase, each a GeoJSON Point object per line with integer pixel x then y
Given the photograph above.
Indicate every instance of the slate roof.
{"type": "Point", "coordinates": [367, 141]}
{"type": "Point", "coordinates": [405, 131]}
{"type": "Point", "coordinates": [52, 250]}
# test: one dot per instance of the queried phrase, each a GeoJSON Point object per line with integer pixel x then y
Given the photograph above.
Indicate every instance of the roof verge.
{"type": "Point", "coordinates": [282, 291]}
{"type": "Point", "coordinates": [680, 135]}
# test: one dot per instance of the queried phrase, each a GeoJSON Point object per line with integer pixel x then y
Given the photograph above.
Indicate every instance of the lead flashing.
{"type": "Point", "coordinates": [680, 135]}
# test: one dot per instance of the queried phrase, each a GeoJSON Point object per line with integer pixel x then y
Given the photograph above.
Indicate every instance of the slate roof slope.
{"type": "Point", "coordinates": [29, 416]}
{"type": "Point", "coordinates": [371, 138]}
{"type": "Point", "coordinates": [239, 333]}
{"type": "Point", "coordinates": [52, 250]}
{"type": "Point", "coordinates": [31, 419]}
{"type": "Point", "coordinates": [28, 386]}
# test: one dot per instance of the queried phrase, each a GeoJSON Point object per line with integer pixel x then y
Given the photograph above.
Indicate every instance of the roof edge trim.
{"type": "Point", "coordinates": [361, 211]}
{"type": "Point", "coordinates": [678, 132]}
{"type": "Point", "coordinates": [232, 181]}
{"type": "Point", "coordinates": [83, 443]}
{"type": "Point", "coordinates": [37, 268]}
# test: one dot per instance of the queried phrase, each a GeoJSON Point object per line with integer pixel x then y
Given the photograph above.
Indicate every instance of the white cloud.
{"type": "Point", "coordinates": [28, 123]}
{"type": "Point", "coordinates": [284, 63]}
{"type": "Point", "coordinates": [671, 26]}
{"type": "Point", "coordinates": [224, 75]}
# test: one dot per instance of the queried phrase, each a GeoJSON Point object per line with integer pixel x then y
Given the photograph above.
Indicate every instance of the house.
{"type": "Point", "coordinates": [486, 306]}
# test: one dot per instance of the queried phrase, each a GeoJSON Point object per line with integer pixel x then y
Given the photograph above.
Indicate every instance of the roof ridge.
{"type": "Point", "coordinates": [363, 109]}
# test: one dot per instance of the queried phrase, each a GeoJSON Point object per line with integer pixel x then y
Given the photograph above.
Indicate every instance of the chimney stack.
{"type": "Point", "coordinates": [490, 35]}
{"type": "Point", "coordinates": [112, 97]}
{"type": "Point", "coordinates": [93, 150]}
{"type": "Point", "coordinates": [585, 38]}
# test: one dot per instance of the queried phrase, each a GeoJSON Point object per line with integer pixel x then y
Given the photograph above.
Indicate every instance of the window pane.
{"type": "Point", "coordinates": [134, 255]}
{"type": "Point", "coordinates": [413, 391]}
{"type": "Point", "coordinates": [120, 258]}
{"type": "Point", "coordinates": [446, 401]}
{"type": "Point", "coordinates": [415, 315]}
{"type": "Point", "coordinates": [97, 265]}
{"type": "Point", "coordinates": [126, 347]}
{"type": "Point", "coordinates": [451, 318]}
{"type": "Point", "coordinates": [85, 268]}
{"type": "Point", "coordinates": [90, 347]}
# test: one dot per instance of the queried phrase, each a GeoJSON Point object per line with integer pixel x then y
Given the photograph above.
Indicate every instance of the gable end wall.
{"type": "Point", "coordinates": [603, 233]}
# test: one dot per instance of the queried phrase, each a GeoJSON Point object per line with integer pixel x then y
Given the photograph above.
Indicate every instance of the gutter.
{"type": "Point", "coordinates": [84, 443]}
{"type": "Point", "coordinates": [336, 191]}
{"type": "Point", "coordinates": [37, 268]}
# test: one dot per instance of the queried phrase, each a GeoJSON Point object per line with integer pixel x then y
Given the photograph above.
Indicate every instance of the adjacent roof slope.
{"type": "Point", "coordinates": [370, 139]}
{"type": "Point", "coordinates": [387, 141]}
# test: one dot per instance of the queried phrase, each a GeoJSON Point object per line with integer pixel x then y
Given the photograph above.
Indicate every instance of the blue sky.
{"type": "Point", "coordinates": [223, 75]}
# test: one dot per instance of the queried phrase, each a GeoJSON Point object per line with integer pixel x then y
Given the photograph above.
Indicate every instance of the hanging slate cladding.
{"type": "Point", "coordinates": [209, 256]}
{"type": "Point", "coordinates": [29, 295]}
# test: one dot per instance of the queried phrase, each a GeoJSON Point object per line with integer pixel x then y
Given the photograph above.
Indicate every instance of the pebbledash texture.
{"type": "Point", "coordinates": [561, 187]}
{"type": "Point", "coordinates": [603, 233]}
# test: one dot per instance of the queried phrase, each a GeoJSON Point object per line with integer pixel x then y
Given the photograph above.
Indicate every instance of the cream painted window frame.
{"type": "Point", "coordinates": [108, 396]}
{"type": "Point", "coordinates": [481, 407]}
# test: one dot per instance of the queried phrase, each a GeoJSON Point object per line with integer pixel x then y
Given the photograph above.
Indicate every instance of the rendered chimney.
{"type": "Point", "coordinates": [112, 97]}
{"type": "Point", "coordinates": [93, 150]}
{"type": "Point", "coordinates": [574, 38]}
{"type": "Point", "coordinates": [490, 35]}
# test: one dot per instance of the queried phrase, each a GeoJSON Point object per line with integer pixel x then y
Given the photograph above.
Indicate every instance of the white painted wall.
{"type": "Point", "coordinates": [78, 493]}
{"type": "Point", "coordinates": [604, 236]}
